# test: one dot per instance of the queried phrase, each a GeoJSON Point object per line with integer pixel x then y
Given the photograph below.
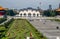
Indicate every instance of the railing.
{"type": "Point", "coordinates": [17, 17]}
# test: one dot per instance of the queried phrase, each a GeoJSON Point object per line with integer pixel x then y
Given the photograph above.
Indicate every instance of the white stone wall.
{"type": "Point", "coordinates": [29, 12]}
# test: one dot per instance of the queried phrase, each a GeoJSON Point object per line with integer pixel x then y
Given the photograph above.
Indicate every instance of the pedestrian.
{"type": "Point", "coordinates": [57, 27]}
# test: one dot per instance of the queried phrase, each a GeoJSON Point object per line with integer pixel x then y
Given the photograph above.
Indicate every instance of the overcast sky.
{"type": "Point", "coordinates": [19, 4]}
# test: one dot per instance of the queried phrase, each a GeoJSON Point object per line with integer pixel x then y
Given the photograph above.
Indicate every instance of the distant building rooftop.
{"type": "Point", "coordinates": [27, 9]}
{"type": "Point", "coordinates": [1, 8]}
{"type": "Point", "coordinates": [58, 9]}
{"type": "Point", "coordinates": [2, 11]}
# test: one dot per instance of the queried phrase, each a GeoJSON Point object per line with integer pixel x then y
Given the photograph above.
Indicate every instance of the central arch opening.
{"type": "Point", "coordinates": [29, 14]}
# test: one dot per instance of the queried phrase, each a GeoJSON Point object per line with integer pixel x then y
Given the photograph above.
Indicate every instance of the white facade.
{"type": "Point", "coordinates": [29, 13]}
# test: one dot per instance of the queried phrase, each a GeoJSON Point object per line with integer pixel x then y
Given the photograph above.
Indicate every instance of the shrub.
{"type": "Point", "coordinates": [3, 28]}
{"type": "Point", "coordinates": [2, 20]}
{"type": "Point", "coordinates": [7, 23]}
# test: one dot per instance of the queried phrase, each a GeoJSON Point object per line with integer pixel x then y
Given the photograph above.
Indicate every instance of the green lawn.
{"type": "Point", "coordinates": [20, 29]}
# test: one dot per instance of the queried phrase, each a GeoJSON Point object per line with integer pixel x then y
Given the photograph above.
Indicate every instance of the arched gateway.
{"type": "Point", "coordinates": [29, 12]}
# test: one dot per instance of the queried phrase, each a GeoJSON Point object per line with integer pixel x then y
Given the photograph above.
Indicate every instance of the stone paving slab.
{"type": "Point", "coordinates": [47, 27]}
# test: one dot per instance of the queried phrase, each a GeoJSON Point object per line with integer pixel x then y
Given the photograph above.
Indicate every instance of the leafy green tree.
{"type": "Point", "coordinates": [46, 13]}
{"type": "Point", "coordinates": [10, 13]}
{"type": "Point", "coordinates": [52, 13]}
{"type": "Point", "coordinates": [49, 13]}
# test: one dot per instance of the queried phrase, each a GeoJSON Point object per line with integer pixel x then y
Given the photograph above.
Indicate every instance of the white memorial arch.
{"type": "Point", "coordinates": [29, 13]}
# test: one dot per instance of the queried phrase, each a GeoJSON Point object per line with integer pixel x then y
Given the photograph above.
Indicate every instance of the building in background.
{"type": "Point", "coordinates": [29, 12]}
{"type": "Point", "coordinates": [58, 10]}
{"type": "Point", "coordinates": [2, 12]}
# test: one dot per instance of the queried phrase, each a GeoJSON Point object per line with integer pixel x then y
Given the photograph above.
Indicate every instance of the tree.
{"type": "Point", "coordinates": [52, 13]}
{"type": "Point", "coordinates": [46, 13]}
{"type": "Point", "coordinates": [49, 13]}
{"type": "Point", "coordinates": [10, 12]}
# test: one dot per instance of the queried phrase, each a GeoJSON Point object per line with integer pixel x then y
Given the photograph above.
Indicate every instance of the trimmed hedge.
{"type": "Point", "coordinates": [57, 20]}
{"type": "Point", "coordinates": [7, 23]}
{"type": "Point", "coordinates": [4, 28]}
{"type": "Point", "coordinates": [2, 20]}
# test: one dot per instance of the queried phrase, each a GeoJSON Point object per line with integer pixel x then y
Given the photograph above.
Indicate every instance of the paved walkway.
{"type": "Point", "coordinates": [47, 27]}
